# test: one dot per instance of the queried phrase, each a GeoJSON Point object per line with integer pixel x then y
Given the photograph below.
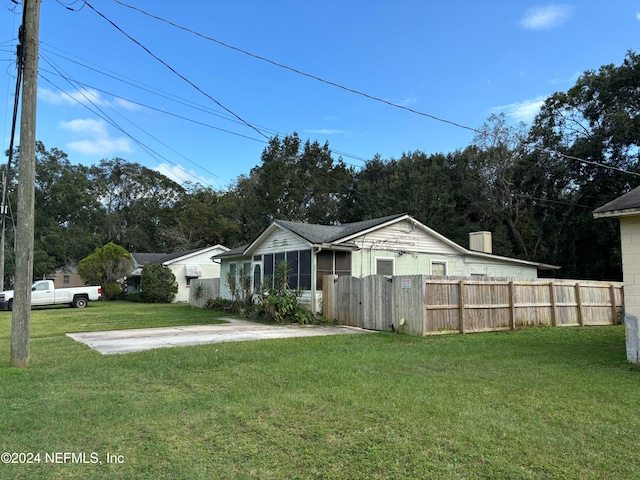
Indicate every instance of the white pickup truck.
{"type": "Point", "coordinates": [43, 292]}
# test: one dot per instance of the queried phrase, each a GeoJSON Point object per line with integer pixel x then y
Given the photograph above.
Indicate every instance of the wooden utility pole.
{"type": "Point", "coordinates": [21, 315]}
{"type": "Point", "coordinates": [3, 217]}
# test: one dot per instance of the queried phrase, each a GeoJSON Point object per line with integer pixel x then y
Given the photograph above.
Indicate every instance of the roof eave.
{"type": "Point", "coordinates": [627, 212]}
{"type": "Point", "coordinates": [541, 266]}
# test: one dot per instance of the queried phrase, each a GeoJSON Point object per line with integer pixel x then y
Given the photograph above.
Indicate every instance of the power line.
{"type": "Point", "coordinates": [109, 120]}
{"type": "Point", "coordinates": [182, 101]}
{"type": "Point", "coordinates": [174, 70]}
{"type": "Point", "coordinates": [299, 72]}
{"type": "Point", "coordinates": [358, 92]}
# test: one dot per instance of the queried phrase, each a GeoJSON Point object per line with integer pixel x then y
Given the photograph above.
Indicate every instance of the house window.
{"type": "Point", "coordinates": [304, 279]}
{"type": "Point", "coordinates": [324, 266]}
{"type": "Point", "coordinates": [233, 270]}
{"type": "Point", "coordinates": [384, 266]}
{"type": "Point", "coordinates": [246, 269]}
{"type": "Point", "coordinates": [257, 280]}
{"type": "Point", "coordinates": [66, 280]}
{"type": "Point", "coordinates": [268, 267]}
{"type": "Point", "coordinates": [292, 262]}
{"type": "Point", "coordinates": [330, 262]}
{"type": "Point", "coordinates": [439, 269]}
{"type": "Point", "coordinates": [299, 263]}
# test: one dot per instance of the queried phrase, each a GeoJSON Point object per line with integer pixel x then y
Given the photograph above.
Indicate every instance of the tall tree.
{"type": "Point", "coordinates": [138, 204]}
{"type": "Point", "coordinates": [68, 210]}
{"type": "Point", "coordinates": [498, 166]}
{"type": "Point", "coordinates": [106, 266]}
{"type": "Point", "coordinates": [598, 121]}
{"type": "Point", "coordinates": [203, 217]}
{"type": "Point", "coordinates": [294, 181]}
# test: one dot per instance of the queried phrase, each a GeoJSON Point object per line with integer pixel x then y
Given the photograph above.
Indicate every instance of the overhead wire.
{"type": "Point", "coordinates": [20, 57]}
{"type": "Point", "coordinates": [173, 69]}
{"type": "Point", "coordinates": [102, 114]}
{"type": "Point", "coordinates": [180, 100]}
{"type": "Point", "coordinates": [87, 88]}
{"type": "Point", "coordinates": [363, 94]}
{"type": "Point", "coordinates": [542, 149]}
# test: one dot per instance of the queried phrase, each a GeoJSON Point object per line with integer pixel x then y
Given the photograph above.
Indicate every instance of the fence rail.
{"type": "Point", "coordinates": [422, 305]}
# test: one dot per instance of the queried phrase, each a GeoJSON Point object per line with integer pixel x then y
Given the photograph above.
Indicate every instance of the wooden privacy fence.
{"type": "Point", "coordinates": [203, 289]}
{"type": "Point", "coordinates": [422, 305]}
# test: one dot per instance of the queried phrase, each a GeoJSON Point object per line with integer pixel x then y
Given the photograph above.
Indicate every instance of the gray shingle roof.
{"type": "Point", "coordinates": [330, 233]}
{"type": "Point", "coordinates": [625, 202]}
{"type": "Point", "coordinates": [142, 259]}
{"type": "Point", "coordinates": [234, 252]}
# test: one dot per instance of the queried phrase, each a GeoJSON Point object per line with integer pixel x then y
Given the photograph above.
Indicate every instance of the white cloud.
{"type": "Point", "coordinates": [180, 175]}
{"type": "Point", "coordinates": [100, 146]}
{"type": "Point", "coordinates": [544, 18]}
{"type": "Point", "coordinates": [86, 126]}
{"type": "Point", "coordinates": [83, 96]}
{"type": "Point", "coordinates": [638, 15]}
{"type": "Point", "coordinates": [97, 140]}
{"type": "Point", "coordinates": [524, 111]}
{"type": "Point", "coordinates": [121, 102]}
{"type": "Point", "coordinates": [325, 131]}
{"type": "Point", "coordinates": [408, 101]}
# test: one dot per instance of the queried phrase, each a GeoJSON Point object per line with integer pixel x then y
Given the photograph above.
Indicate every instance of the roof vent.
{"type": "Point", "coordinates": [480, 242]}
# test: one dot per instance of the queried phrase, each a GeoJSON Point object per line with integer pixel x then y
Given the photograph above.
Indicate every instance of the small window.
{"type": "Point", "coordinates": [384, 266]}
{"type": "Point", "coordinates": [246, 269]}
{"type": "Point", "coordinates": [66, 280]}
{"type": "Point", "coordinates": [439, 269]}
{"type": "Point", "coordinates": [304, 282]}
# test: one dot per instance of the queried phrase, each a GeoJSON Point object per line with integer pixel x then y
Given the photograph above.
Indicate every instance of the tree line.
{"type": "Point", "coordinates": [534, 187]}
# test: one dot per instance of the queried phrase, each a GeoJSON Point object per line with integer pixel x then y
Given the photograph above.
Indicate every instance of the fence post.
{"type": "Point", "coordinates": [579, 301]}
{"type": "Point", "coordinates": [554, 308]}
{"type": "Point", "coordinates": [512, 306]}
{"type": "Point", "coordinates": [461, 295]}
{"type": "Point", "coordinates": [614, 310]}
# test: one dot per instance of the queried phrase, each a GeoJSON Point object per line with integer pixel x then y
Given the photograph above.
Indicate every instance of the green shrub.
{"type": "Point", "coordinates": [157, 284]}
{"type": "Point", "coordinates": [111, 290]}
{"type": "Point", "coordinates": [134, 297]}
{"type": "Point", "coordinates": [219, 304]}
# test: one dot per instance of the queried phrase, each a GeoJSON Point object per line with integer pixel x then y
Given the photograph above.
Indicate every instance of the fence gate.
{"type": "Point", "coordinates": [358, 302]}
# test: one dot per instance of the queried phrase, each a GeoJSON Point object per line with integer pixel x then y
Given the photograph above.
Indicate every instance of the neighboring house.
{"type": "Point", "coordinates": [627, 209]}
{"type": "Point", "coordinates": [185, 265]}
{"type": "Point", "coordinates": [393, 245]}
{"type": "Point", "coordinates": [66, 277]}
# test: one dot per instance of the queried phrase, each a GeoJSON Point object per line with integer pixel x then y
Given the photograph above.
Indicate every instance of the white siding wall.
{"type": "Point", "coordinates": [224, 270]}
{"type": "Point", "coordinates": [630, 237]}
{"type": "Point", "coordinates": [280, 241]}
{"type": "Point", "coordinates": [413, 251]}
{"type": "Point", "coordinates": [209, 270]}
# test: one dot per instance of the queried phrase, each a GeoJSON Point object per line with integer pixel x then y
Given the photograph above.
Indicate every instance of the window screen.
{"type": "Point", "coordinates": [304, 281]}
{"type": "Point", "coordinates": [384, 266]}
{"type": "Point", "coordinates": [292, 262]}
{"type": "Point", "coordinates": [439, 269]}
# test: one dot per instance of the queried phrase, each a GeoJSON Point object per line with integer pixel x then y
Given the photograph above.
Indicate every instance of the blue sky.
{"type": "Point", "coordinates": [102, 95]}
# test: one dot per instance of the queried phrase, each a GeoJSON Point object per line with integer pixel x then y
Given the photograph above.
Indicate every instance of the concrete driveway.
{"type": "Point", "coordinates": [136, 340]}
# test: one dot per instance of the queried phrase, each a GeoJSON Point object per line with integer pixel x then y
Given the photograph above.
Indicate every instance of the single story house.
{"type": "Point", "coordinates": [67, 277]}
{"type": "Point", "coordinates": [185, 265]}
{"type": "Point", "coordinates": [394, 245]}
{"type": "Point", "coordinates": [627, 210]}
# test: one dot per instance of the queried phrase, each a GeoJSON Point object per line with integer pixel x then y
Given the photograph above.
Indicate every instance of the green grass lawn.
{"type": "Point", "coordinates": [537, 403]}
